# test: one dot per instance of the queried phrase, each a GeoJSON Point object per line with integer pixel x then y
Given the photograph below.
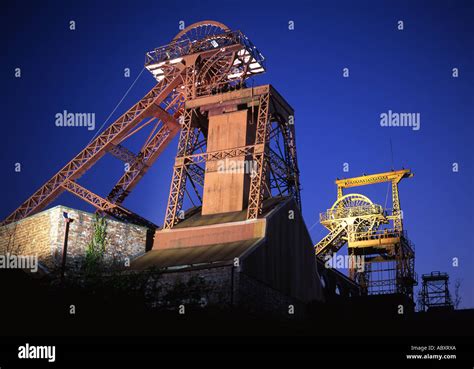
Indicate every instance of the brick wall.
{"type": "Point", "coordinates": [43, 234]}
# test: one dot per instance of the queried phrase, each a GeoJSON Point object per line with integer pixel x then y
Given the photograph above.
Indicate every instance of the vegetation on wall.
{"type": "Point", "coordinates": [95, 249]}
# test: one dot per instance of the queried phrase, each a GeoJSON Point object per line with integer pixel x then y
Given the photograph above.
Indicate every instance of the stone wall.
{"type": "Point", "coordinates": [204, 286]}
{"type": "Point", "coordinates": [43, 234]}
{"type": "Point", "coordinates": [30, 236]}
{"type": "Point", "coordinates": [224, 287]}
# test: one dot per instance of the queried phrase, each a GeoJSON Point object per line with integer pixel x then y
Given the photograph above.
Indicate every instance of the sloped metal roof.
{"type": "Point", "coordinates": [189, 257]}
{"type": "Point", "coordinates": [198, 220]}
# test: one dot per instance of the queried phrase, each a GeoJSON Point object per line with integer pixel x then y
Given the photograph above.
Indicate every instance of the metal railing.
{"type": "Point", "coordinates": [377, 234]}
{"type": "Point", "coordinates": [355, 211]}
{"type": "Point", "coordinates": [180, 48]}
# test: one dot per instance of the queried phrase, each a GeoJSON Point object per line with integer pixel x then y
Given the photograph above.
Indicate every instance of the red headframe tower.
{"type": "Point", "coordinates": [202, 95]}
{"type": "Point", "coordinates": [236, 164]}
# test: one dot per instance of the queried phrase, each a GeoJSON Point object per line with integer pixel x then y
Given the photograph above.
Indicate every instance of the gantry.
{"type": "Point", "coordinates": [203, 60]}
{"type": "Point", "coordinates": [434, 292]}
{"type": "Point", "coordinates": [373, 233]}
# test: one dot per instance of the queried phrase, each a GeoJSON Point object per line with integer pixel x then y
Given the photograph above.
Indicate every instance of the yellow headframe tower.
{"type": "Point", "coordinates": [374, 235]}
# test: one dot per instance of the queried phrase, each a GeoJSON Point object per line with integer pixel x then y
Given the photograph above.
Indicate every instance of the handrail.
{"type": "Point", "coordinates": [379, 234]}
{"type": "Point", "coordinates": [180, 48]}
{"type": "Point", "coordinates": [335, 214]}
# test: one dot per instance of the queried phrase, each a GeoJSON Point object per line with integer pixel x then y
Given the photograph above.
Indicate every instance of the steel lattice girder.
{"type": "Point", "coordinates": [178, 78]}
{"type": "Point", "coordinates": [113, 135]}
{"type": "Point", "coordinates": [187, 141]}
{"type": "Point", "coordinates": [104, 205]}
{"type": "Point", "coordinates": [376, 246]}
{"type": "Point", "coordinates": [271, 108]}
{"type": "Point", "coordinates": [394, 177]}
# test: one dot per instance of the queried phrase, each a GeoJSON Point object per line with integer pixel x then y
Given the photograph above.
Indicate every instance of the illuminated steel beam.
{"type": "Point", "coordinates": [196, 173]}
{"type": "Point", "coordinates": [97, 148]}
{"type": "Point", "coordinates": [187, 139]}
{"type": "Point", "coordinates": [354, 220]}
{"type": "Point", "coordinates": [374, 178]}
{"type": "Point", "coordinates": [205, 59]}
{"type": "Point", "coordinates": [106, 206]}
{"type": "Point", "coordinates": [256, 192]}
{"type": "Point", "coordinates": [139, 167]}
{"type": "Point", "coordinates": [122, 153]}
{"type": "Point", "coordinates": [394, 177]}
{"type": "Point", "coordinates": [218, 155]}
{"type": "Point", "coordinates": [147, 156]}
{"type": "Point", "coordinates": [274, 170]}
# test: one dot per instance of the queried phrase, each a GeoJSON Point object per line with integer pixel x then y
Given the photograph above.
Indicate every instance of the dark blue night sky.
{"type": "Point", "coordinates": [337, 118]}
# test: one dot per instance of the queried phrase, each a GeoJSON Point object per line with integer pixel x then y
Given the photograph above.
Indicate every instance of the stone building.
{"type": "Point", "coordinates": [43, 235]}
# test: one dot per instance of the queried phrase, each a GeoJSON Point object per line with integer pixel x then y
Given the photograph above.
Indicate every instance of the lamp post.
{"type": "Point", "coordinates": [68, 221]}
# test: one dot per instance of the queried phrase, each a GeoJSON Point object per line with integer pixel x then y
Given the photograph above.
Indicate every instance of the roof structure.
{"type": "Point", "coordinates": [194, 257]}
